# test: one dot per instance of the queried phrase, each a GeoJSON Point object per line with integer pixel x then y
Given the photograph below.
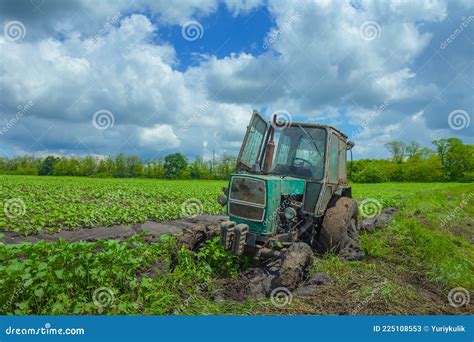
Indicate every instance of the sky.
{"type": "Point", "coordinates": [150, 78]}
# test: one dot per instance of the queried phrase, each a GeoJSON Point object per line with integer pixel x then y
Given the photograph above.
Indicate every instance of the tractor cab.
{"type": "Point", "coordinates": [287, 173]}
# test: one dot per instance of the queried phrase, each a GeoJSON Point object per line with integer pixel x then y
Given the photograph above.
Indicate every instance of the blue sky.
{"type": "Point", "coordinates": [224, 34]}
{"type": "Point", "coordinates": [101, 77]}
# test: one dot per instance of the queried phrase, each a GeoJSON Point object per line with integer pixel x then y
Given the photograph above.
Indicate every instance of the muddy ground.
{"type": "Point", "coordinates": [118, 232]}
{"type": "Point", "coordinates": [289, 271]}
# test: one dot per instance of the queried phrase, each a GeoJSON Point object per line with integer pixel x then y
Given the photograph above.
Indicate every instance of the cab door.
{"type": "Point", "coordinates": [252, 146]}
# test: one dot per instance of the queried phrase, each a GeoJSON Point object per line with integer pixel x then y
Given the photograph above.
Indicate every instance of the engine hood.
{"type": "Point", "coordinates": [255, 199]}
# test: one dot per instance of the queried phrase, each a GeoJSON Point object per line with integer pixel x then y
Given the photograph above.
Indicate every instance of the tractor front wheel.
{"type": "Point", "coordinates": [339, 231]}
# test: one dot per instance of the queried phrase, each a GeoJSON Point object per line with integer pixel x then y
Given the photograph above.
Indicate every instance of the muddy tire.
{"type": "Point", "coordinates": [295, 265]}
{"type": "Point", "coordinates": [339, 231]}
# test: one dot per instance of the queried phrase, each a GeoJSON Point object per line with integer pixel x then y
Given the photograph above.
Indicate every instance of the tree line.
{"type": "Point", "coordinates": [173, 166]}
{"type": "Point", "coordinates": [448, 160]}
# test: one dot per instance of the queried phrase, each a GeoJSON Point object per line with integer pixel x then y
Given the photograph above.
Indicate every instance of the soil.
{"type": "Point", "coordinates": [380, 221]}
{"type": "Point", "coordinates": [118, 232]}
{"type": "Point", "coordinates": [290, 270]}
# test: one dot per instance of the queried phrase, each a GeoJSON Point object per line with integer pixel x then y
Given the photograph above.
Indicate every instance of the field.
{"type": "Point", "coordinates": [409, 268]}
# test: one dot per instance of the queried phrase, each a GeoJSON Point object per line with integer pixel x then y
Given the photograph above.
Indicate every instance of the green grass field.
{"type": "Point", "coordinates": [409, 269]}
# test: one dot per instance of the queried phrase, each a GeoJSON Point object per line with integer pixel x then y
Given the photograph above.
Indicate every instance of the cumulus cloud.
{"type": "Point", "coordinates": [324, 61]}
{"type": "Point", "coordinates": [159, 135]}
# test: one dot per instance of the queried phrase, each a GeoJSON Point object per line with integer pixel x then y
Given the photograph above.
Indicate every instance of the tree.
{"type": "Point", "coordinates": [412, 149]}
{"type": "Point", "coordinates": [417, 169]}
{"type": "Point", "coordinates": [442, 146]}
{"type": "Point", "coordinates": [120, 166]}
{"type": "Point", "coordinates": [174, 165]}
{"type": "Point", "coordinates": [225, 167]}
{"type": "Point", "coordinates": [371, 174]}
{"type": "Point", "coordinates": [458, 159]}
{"type": "Point", "coordinates": [47, 166]}
{"type": "Point", "coordinates": [87, 166]}
{"type": "Point", "coordinates": [397, 149]}
{"type": "Point", "coordinates": [134, 166]}
{"type": "Point", "coordinates": [198, 169]}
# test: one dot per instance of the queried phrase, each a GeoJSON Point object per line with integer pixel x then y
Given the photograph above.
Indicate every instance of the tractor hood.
{"type": "Point", "coordinates": [255, 199]}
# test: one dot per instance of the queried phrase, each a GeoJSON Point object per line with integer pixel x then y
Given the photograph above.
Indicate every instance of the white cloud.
{"type": "Point", "coordinates": [314, 63]}
{"type": "Point", "coordinates": [159, 135]}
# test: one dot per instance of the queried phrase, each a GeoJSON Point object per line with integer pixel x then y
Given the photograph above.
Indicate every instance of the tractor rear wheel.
{"type": "Point", "coordinates": [339, 231]}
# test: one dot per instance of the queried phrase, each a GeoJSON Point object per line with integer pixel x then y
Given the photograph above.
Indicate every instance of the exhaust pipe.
{"type": "Point", "coordinates": [267, 166]}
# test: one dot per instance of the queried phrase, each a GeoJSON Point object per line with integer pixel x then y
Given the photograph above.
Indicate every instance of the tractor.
{"type": "Point", "coordinates": [290, 185]}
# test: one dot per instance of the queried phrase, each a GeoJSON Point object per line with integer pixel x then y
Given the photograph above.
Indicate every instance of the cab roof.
{"type": "Point", "coordinates": [306, 124]}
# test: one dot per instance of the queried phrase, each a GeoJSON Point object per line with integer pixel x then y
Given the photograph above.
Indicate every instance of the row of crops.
{"type": "Point", "coordinates": [32, 204]}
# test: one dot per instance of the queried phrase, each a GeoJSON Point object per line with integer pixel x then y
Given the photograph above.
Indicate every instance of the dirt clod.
{"type": "Point", "coordinates": [319, 278]}
{"type": "Point", "coordinates": [194, 236]}
{"type": "Point", "coordinates": [380, 221]}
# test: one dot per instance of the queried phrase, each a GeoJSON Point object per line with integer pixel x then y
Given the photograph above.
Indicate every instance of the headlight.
{"type": "Point", "coordinates": [289, 213]}
{"type": "Point", "coordinates": [222, 200]}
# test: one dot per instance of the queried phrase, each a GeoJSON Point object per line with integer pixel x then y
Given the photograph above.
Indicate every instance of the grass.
{"type": "Point", "coordinates": [410, 266]}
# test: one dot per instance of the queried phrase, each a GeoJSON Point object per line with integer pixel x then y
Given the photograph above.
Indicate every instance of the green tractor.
{"type": "Point", "coordinates": [296, 193]}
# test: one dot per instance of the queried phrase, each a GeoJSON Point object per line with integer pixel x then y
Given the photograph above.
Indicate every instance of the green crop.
{"type": "Point", "coordinates": [55, 203]}
{"type": "Point", "coordinates": [136, 276]}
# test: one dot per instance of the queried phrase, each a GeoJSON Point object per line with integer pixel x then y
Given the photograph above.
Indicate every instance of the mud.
{"type": "Point", "coordinates": [291, 270]}
{"type": "Point", "coordinates": [313, 285]}
{"type": "Point", "coordinates": [288, 271]}
{"type": "Point", "coordinates": [194, 236]}
{"type": "Point", "coordinates": [117, 232]}
{"type": "Point", "coordinates": [380, 221]}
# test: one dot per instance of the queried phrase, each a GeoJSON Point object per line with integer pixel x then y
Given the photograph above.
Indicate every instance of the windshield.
{"type": "Point", "coordinates": [300, 152]}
